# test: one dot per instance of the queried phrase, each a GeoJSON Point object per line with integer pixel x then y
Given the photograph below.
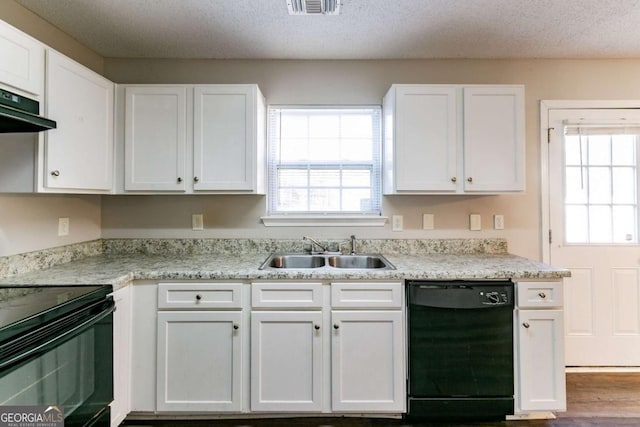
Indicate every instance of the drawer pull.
{"type": "Point", "coordinates": [542, 295]}
{"type": "Point", "coordinates": [236, 327]}
{"type": "Point", "coordinates": [454, 179]}
{"type": "Point", "coordinates": [336, 326]}
{"type": "Point", "coordinates": [55, 173]}
{"type": "Point", "coordinates": [526, 325]}
{"type": "Point", "coordinates": [470, 179]}
{"type": "Point", "coordinates": [316, 327]}
{"type": "Point", "coordinates": [198, 297]}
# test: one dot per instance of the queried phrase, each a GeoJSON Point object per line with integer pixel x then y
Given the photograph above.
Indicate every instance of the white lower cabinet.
{"type": "Point", "coordinates": [367, 361]}
{"type": "Point", "coordinates": [199, 361]}
{"type": "Point", "coordinates": [121, 355]}
{"type": "Point", "coordinates": [286, 361]}
{"type": "Point", "coordinates": [539, 331]}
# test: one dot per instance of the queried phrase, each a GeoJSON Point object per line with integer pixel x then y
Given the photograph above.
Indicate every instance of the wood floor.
{"type": "Point", "coordinates": [593, 400]}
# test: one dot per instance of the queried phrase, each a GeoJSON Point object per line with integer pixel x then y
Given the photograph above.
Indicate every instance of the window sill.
{"type": "Point", "coordinates": [324, 221]}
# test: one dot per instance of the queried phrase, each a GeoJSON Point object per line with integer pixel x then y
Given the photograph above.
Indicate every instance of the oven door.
{"type": "Point", "coordinates": [66, 363]}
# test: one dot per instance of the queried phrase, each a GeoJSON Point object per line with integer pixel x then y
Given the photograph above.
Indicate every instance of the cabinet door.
{"type": "Point", "coordinates": [494, 139]}
{"type": "Point", "coordinates": [224, 137]}
{"type": "Point", "coordinates": [121, 355]}
{"type": "Point", "coordinates": [367, 361]}
{"type": "Point", "coordinates": [144, 312]}
{"type": "Point", "coordinates": [425, 138]}
{"type": "Point", "coordinates": [79, 153]}
{"type": "Point", "coordinates": [286, 361]}
{"type": "Point", "coordinates": [22, 60]}
{"type": "Point", "coordinates": [541, 360]}
{"type": "Point", "coordinates": [199, 361]}
{"type": "Point", "coordinates": [155, 138]}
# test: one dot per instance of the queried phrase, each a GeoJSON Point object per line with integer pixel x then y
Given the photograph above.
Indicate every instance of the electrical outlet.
{"type": "Point", "coordinates": [475, 222]}
{"type": "Point", "coordinates": [396, 223]}
{"type": "Point", "coordinates": [498, 222]}
{"type": "Point", "coordinates": [63, 227]}
{"type": "Point", "coordinates": [197, 222]}
{"type": "Point", "coordinates": [428, 221]}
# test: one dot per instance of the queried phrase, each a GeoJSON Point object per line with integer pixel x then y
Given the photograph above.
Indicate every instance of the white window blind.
{"type": "Point", "coordinates": [324, 160]}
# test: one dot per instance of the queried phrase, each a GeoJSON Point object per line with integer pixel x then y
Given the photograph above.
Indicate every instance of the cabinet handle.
{"type": "Point", "coordinates": [179, 179]}
{"type": "Point", "coordinates": [316, 327]}
{"type": "Point", "coordinates": [198, 297]}
{"type": "Point", "coordinates": [470, 179]}
{"type": "Point", "coordinates": [196, 179]}
{"type": "Point", "coordinates": [526, 325]}
{"type": "Point", "coordinates": [454, 179]}
{"type": "Point", "coordinates": [55, 173]}
{"type": "Point", "coordinates": [336, 326]}
{"type": "Point", "coordinates": [236, 327]}
{"type": "Point", "coordinates": [542, 295]}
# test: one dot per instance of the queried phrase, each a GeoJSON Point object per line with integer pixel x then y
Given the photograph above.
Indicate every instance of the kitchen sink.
{"type": "Point", "coordinates": [325, 261]}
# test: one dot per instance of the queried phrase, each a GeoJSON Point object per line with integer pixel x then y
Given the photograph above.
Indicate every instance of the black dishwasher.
{"type": "Point", "coordinates": [460, 349]}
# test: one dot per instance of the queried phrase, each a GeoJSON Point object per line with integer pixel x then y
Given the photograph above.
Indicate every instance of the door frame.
{"type": "Point", "coordinates": [545, 106]}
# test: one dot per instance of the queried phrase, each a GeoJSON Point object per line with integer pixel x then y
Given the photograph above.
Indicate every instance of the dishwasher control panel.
{"type": "Point", "coordinates": [494, 298]}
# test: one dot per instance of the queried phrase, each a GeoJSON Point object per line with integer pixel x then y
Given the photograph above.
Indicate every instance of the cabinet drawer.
{"type": "Point", "coordinates": [286, 295]}
{"type": "Point", "coordinates": [366, 295]}
{"type": "Point", "coordinates": [199, 296]}
{"type": "Point", "coordinates": [539, 294]}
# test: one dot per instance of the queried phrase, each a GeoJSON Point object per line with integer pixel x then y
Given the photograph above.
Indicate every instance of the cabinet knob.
{"type": "Point", "coordinates": [470, 179]}
{"type": "Point", "coordinates": [526, 325]}
{"type": "Point", "coordinates": [542, 295]}
{"type": "Point", "coordinates": [454, 179]}
{"type": "Point", "coordinates": [179, 179]}
{"type": "Point", "coordinates": [236, 327]}
{"type": "Point", "coordinates": [196, 179]}
{"type": "Point", "coordinates": [336, 326]}
{"type": "Point", "coordinates": [198, 297]}
{"type": "Point", "coordinates": [55, 173]}
{"type": "Point", "coordinates": [316, 327]}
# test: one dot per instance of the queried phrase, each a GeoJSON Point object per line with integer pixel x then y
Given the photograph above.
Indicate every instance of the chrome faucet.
{"type": "Point", "coordinates": [315, 242]}
{"type": "Point", "coordinates": [353, 244]}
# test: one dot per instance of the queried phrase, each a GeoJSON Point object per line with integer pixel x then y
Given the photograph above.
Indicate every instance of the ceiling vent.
{"type": "Point", "coordinates": [313, 7]}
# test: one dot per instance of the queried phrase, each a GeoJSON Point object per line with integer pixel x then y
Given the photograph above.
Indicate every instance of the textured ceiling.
{"type": "Point", "coordinates": [366, 29]}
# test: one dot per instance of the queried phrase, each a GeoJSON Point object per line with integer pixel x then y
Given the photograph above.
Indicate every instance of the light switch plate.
{"type": "Point", "coordinates": [475, 222]}
{"type": "Point", "coordinates": [63, 227]}
{"type": "Point", "coordinates": [197, 222]}
{"type": "Point", "coordinates": [428, 221]}
{"type": "Point", "coordinates": [396, 223]}
{"type": "Point", "coordinates": [498, 222]}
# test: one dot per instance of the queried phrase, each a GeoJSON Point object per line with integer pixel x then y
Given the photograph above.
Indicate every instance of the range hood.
{"type": "Point", "coordinates": [19, 114]}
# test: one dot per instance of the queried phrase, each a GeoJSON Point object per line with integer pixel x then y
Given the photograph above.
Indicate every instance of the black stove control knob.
{"type": "Point", "coordinates": [493, 298]}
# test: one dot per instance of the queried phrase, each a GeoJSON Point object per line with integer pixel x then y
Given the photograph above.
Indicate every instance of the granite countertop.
{"type": "Point", "coordinates": [120, 270]}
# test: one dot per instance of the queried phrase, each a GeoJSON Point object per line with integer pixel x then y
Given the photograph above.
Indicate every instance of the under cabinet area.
{"type": "Point", "coordinates": [191, 139]}
{"type": "Point", "coordinates": [444, 139]}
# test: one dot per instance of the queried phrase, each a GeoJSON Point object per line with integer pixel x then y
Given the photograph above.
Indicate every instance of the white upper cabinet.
{"type": "Point", "coordinates": [202, 138]}
{"type": "Point", "coordinates": [225, 137]}
{"type": "Point", "coordinates": [155, 138]}
{"type": "Point", "coordinates": [78, 154]}
{"type": "Point", "coordinates": [455, 139]}
{"type": "Point", "coordinates": [22, 64]}
{"type": "Point", "coordinates": [494, 139]}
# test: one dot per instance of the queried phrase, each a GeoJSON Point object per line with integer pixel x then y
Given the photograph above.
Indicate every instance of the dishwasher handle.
{"type": "Point", "coordinates": [460, 295]}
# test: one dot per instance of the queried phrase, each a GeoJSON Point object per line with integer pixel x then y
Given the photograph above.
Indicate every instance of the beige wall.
{"type": "Point", "coordinates": [30, 222]}
{"type": "Point", "coordinates": [365, 82]}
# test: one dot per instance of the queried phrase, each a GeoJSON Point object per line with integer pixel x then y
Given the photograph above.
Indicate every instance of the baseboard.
{"type": "Point", "coordinates": [602, 369]}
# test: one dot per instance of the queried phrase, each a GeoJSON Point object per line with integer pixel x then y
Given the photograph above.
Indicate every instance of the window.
{"type": "Point", "coordinates": [324, 161]}
{"type": "Point", "coordinates": [601, 185]}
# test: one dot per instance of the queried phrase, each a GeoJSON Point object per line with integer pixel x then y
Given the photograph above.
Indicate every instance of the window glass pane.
{"type": "Point", "coordinates": [357, 126]}
{"type": "Point", "coordinates": [292, 199]}
{"type": "Point", "coordinates": [599, 185]}
{"type": "Point", "coordinates": [293, 126]}
{"type": "Point", "coordinates": [357, 150]}
{"type": "Point", "coordinates": [624, 185]}
{"type": "Point", "coordinates": [624, 224]}
{"type": "Point", "coordinates": [356, 178]}
{"type": "Point", "coordinates": [324, 178]}
{"type": "Point", "coordinates": [624, 150]}
{"type": "Point", "coordinates": [576, 224]}
{"type": "Point", "coordinates": [356, 200]}
{"type": "Point", "coordinates": [293, 149]}
{"type": "Point", "coordinates": [324, 126]}
{"type": "Point", "coordinates": [324, 149]}
{"type": "Point", "coordinates": [292, 178]}
{"type": "Point", "coordinates": [324, 200]}
{"type": "Point", "coordinates": [575, 185]}
{"type": "Point", "coordinates": [572, 150]}
{"type": "Point", "coordinates": [600, 224]}
{"type": "Point", "coordinates": [600, 150]}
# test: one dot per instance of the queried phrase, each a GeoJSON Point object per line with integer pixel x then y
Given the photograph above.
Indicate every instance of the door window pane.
{"type": "Point", "coordinates": [624, 224]}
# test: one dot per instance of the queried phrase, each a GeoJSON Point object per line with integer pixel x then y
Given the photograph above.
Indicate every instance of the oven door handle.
{"type": "Point", "coordinates": [43, 347]}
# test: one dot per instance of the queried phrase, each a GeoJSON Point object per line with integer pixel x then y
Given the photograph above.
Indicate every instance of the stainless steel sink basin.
{"type": "Point", "coordinates": [324, 261]}
{"type": "Point", "coordinates": [358, 261]}
{"type": "Point", "coordinates": [295, 261]}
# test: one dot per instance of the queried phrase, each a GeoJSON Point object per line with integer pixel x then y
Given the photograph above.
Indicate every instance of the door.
{"type": "Point", "coordinates": [539, 332]}
{"type": "Point", "coordinates": [593, 187]}
{"type": "Point", "coordinates": [367, 361]}
{"type": "Point", "coordinates": [155, 138]}
{"type": "Point", "coordinates": [79, 152]}
{"type": "Point", "coordinates": [286, 361]}
{"type": "Point", "coordinates": [224, 137]}
{"type": "Point", "coordinates": [199, 361]}
{"type": "Point", "coordinates": [121, 355]}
